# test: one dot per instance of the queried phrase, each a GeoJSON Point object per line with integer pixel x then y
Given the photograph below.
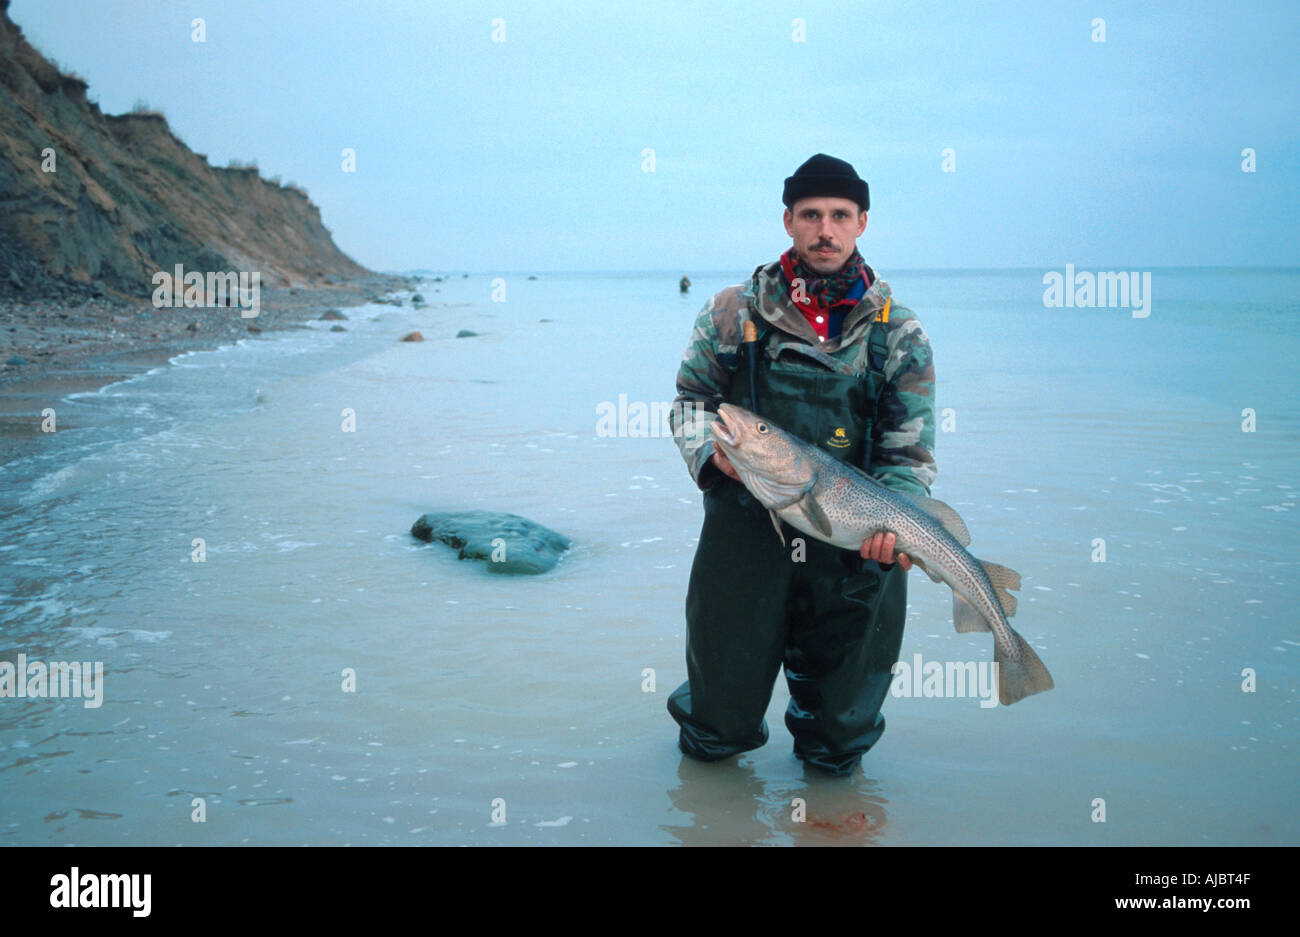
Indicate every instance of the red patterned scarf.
{"type": "Point", "coordinates": [825, 290]}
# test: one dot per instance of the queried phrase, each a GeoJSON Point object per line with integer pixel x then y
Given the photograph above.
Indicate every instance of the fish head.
{"type": "Point", "coordinates": [771, 463]}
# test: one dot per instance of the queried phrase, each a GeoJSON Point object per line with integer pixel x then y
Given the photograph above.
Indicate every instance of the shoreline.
{"type": "Point", "coordinates": [83, 346]}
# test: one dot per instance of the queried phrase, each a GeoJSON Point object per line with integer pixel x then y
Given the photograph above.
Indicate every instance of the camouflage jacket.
{"type": "Point", "coordinates": [902, 445]}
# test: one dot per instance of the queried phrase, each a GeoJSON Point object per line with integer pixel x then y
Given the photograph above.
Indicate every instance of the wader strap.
{"type": "Point", "coordinates": [877, 350]}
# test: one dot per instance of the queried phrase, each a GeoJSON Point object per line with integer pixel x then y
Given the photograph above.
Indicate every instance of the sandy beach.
{"type": "Point", "coordinates": [81, 346]}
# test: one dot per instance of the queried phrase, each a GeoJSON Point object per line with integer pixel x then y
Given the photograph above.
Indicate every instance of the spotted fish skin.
{"type": "Point", "coordinates": [842, 505]}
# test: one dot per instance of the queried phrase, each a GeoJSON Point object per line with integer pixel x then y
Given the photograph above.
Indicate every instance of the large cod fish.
{"type": "Point", "coordinates": [843, 505]}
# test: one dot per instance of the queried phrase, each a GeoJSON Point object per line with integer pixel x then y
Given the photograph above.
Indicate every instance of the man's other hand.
{"type": "Point", "coordinates": [880, 547]}
{"type": "Point", "coordinates": [723, 465]}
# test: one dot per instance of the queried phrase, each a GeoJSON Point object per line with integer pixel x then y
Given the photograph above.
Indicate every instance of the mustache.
{"type": "Point", "coordinates": [820, 244]}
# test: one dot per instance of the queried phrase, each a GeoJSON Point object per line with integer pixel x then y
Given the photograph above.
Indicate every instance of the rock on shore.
{"type": "Point", "coordinates": [509, 543]}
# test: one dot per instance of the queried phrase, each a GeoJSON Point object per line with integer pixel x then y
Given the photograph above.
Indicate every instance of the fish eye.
{"type": "Point", "coordinates": [761, 427]}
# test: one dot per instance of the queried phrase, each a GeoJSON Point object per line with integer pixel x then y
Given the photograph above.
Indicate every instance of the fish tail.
{"type": "Point", "coordinates": [1018, 679]}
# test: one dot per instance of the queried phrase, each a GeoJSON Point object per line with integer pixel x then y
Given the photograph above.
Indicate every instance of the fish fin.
{"type": "Point", "coordinates": [1003, 579]}
{"type": "Point", "coordinates": [776, 522]}
{"type": "Point", "coordinates": [965, 617]}
{"type": "Point", "coordinates": [945, 515]}
{"type": "Point", "coordinates": [813, 511]}
{"type": "Point", "coordinates": [1025, 678]}
{"type": "Point", "coordinates": [916, 561]}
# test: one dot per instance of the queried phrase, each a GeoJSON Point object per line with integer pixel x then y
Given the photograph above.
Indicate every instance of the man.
{"type": "Point", "coordinates": [845, 369]}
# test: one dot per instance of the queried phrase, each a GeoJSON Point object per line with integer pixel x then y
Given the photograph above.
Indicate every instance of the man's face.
{"type": "Point", "coordinates": [825, 231]}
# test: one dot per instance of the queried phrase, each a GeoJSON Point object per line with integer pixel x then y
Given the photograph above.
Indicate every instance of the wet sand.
{"type": "Point", "coordinates": [69, 348]}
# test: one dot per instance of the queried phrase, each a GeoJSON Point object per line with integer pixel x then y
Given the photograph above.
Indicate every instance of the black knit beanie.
{"type": "Point", "coordinates": [825, 176]}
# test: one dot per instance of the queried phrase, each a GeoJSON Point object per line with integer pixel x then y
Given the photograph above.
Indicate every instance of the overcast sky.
{"type": "Point", "coordinates": [527, 154]}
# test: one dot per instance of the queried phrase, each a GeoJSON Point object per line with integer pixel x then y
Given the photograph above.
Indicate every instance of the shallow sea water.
{"type": "Point", "coordinates": [476, 693]}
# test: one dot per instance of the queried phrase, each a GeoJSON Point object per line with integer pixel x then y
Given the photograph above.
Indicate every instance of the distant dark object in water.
{"type": "Point", "coordinates": [413, 337]}
{"type": "Point", "coordinates": [466, 333]}
{"type": "Point", "coordinates": [417, 298]}
{"type": "Point", "coordinates": [337, 328]}
{"type": "Point", "coordinates": [545, 320]}
{"type": "Point", "coordinates": [192, 327]}
{"type": "Point", "coordinates": [684, 284]}
{"type": "Point", "coordinates": [509, 543]}
{"type": "Point", "coordinates": [333, 315]}
{"type": "Point", "coordinates": [532, 278]}
{"type": "Point", "coordinates": [254, 328]}
{"type": "Point", "coordinates": [15, 360]}
{"type": "Point", "coordinates": [464, 276]}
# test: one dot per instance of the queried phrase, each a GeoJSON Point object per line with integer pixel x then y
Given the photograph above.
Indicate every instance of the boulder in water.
{"type": "Point", "coordinates": [507, 542]}
{"type": "Point", "coordinates": [466, 333]}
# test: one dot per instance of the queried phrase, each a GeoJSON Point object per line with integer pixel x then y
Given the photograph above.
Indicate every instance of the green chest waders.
{"type": "Point", "coordinates": [834, 620]}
